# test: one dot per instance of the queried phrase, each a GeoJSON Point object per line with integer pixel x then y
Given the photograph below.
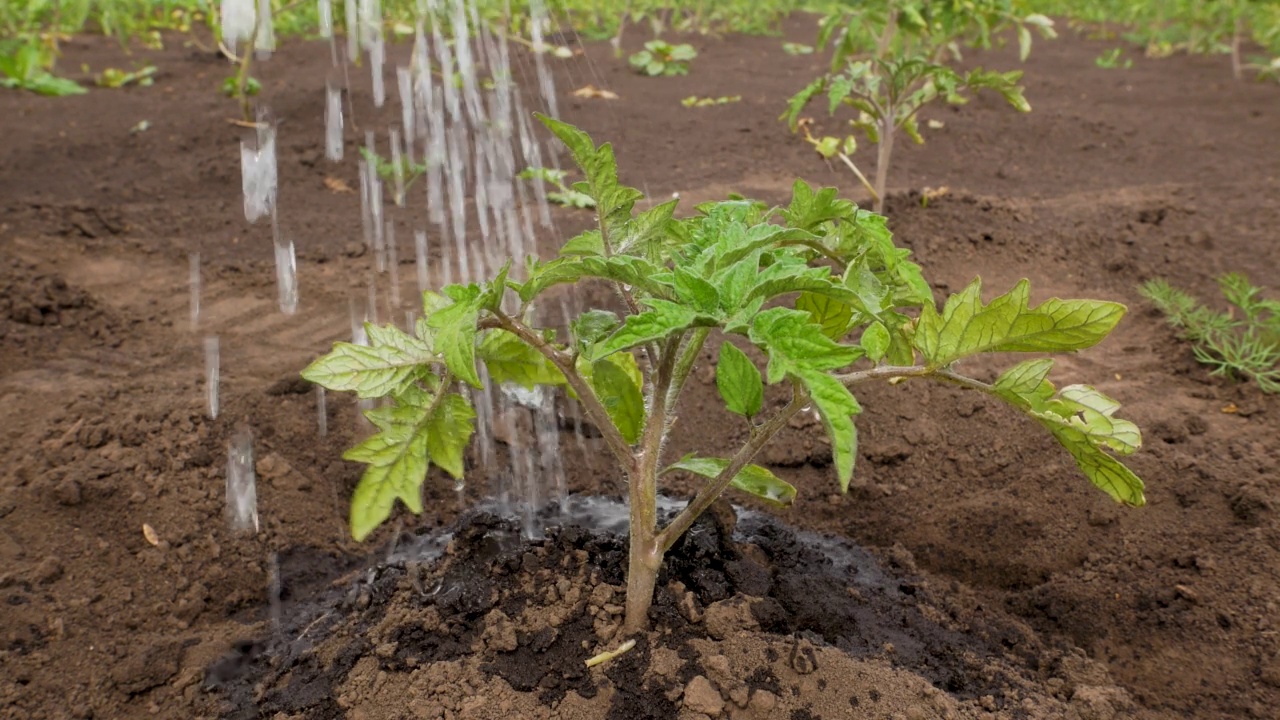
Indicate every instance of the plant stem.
{"type": "Point", "coordinates": [712, 490]}
{"type": "Point", "coordinates": [684, 365]}
{"type": "Point", "coordinates": [243, 80]}
{"type": "Point", "coordinates": [884, 152]}
{"type": "Point", "coordinates": [645, 554]}
{"type": "Point", "coordinates": [1237, 32]}
{"type": "Point", "coordinates": [565, 364]}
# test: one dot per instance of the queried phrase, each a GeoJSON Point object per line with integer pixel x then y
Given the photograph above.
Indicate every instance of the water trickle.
{"type": "Point", "coordinates": [286, 269]}
{"type": "Point", "coordinates": [258, 173]}
{"type": "Point", "coordinates": [212, 373]}
{"type": "Point", "coordinates": [237, 22]}
{"type": "Point", "coordinates": [242, 490]}
{"type": "Point", "coordinates": [274, 588]}
{"type": "Point", "coordinates": [353, 28]}
{"type": "Point", "coordinates": [420, 249]}
{"type": "Point", "coordinates": [193, 262]}
{"type": "Point", "coordinates": [378, 58]}
{"type": "Point", "coordinates": [393, 264]}
{"type": "Point", "coordinates": [333, 124]}
{"type": "Point", "coordinates": [322, 411]}
{"type": "Point", "coordinates": [324, 11]}
{"type": "Point", "coordinates": [264, 42]}
{"type": "Point", "coordinates": [404, 83]}
{"type": "Point", "coordinates": [397, 166]}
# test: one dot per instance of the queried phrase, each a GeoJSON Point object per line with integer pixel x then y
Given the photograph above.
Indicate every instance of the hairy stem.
{"type": "Point", "coordinates": [712, 490]}
{"type": "Point", "coordinates": [645, 554]}
{"type": "Point", "coordinates": [242, 80]}
{"type": "Point", "coordinates": [884, 152]}
{"type": "Point", "coordinates": [689, 352]}
{"type": "Point", "coordinates": [564, 362]}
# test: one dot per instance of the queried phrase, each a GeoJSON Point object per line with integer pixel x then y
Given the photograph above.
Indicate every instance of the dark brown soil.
{"type": "Point", "coordinates": [1115, 177]}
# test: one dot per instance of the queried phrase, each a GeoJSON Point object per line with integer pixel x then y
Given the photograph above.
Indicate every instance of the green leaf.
{"type": "Point", "coordinates": [592, 325]}
{"type": "Point", "coordinates": [639, 235]}
{"type": "Point", "coordinates": [448, 431]}
{"type": "Point", "coordinates": [1024, 42]}
{"type": "Point", "coordinates": [587, 243]}
{"type": "Point", "coordinates": [798, 349]}
{"type": "Point", "coordinates": [795, 344]}
{"type": "Point", "coordinates": [47, 84]}
{"type": "Point", "coordinates": [455, 331]}
{"type": "Point", "coordinates": [661, 320]}
{"type": "Point", "coordinates": [751, 479]}
{"type": "Point", "coordinates": [835, 317]}
{"type": "Point", "coordinates": [371, 371]}
{"type": "Point", "coordinates": [797, 103]}
{"type": "Point", "coordinates": [398, 454]}
{"type": "Point", "coordinates": [696, 292]}
{"type": "Point", "coordinates": [836, 406]}
{"type": "Point", "coordinates": [875, 341]}
{"type": "Point", "coordinates": [739, 381]}
{"type": "Point", "coordinates": [510, 359]}
{"type": "Point", "coordinates": [620, 395]}
{"type": "Point", "coordinates": [1083, 421]}
{"type": "Point", "coordinates": [1008, 324]}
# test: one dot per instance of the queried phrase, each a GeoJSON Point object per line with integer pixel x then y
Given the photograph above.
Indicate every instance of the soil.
{"type": "Point", "coordinates": [1010, 586]}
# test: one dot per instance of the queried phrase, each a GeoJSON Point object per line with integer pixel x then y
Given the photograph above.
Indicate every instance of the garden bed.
{"type": "Point", "coordinates": [1116, 176]}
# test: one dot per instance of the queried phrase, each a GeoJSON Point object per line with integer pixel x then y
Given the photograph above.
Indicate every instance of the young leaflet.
{"type": "Point", "coordinates": [795, 283]}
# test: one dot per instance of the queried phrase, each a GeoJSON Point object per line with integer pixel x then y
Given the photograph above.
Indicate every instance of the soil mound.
{"type": "Point", "coordinates": [752, 619]}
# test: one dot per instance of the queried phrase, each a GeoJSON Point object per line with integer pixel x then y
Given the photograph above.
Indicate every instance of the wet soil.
{"type": "Point", "coordinates": [1115, 177]}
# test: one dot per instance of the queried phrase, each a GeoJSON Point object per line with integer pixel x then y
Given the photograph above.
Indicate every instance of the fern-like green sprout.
{"type": "Point", "coordinates": [1243, 342]}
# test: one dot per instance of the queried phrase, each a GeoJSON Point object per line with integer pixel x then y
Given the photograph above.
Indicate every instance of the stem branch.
{"type": "Point", "coordinates": [712, 490]}
{"type": "Point", "coordinates": [564, 362]}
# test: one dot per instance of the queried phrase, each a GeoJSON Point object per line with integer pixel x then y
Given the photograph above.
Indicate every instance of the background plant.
{"type": "Point", "coordinates": [563, 194]}
{"type": "Point", "coordinates": [659, 58]}
{"type": "Point", "coordinates": [25, 65]}
{"type": "Point", "coordinates": [890, 59]}
{"type": "Point", "coordinates": [794, 283]}
{"type": "Point", "coordinates": [1243, 342]}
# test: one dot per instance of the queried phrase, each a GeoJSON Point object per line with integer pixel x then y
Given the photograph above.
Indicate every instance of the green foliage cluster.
{"type": "Point", "coordinates": [1164, 27]}
{"type": "Point", "coordinates": [25, 66]}
{"type": "Point", "coordinates": [891, 58]}
{"type": "Point", "coordinates": [660, 58]}
{"type": "Point", "coordinates": [816, 287]}
{"type": "Point", "coordinates": [1243, 342]}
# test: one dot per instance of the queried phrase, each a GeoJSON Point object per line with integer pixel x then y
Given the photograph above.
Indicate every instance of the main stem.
{"type": "Point", "coordinates": [884, 153]}
{"type": "Point", "coordinates": [645, 553]}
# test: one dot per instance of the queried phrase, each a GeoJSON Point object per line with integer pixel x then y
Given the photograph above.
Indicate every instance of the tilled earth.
{"type": "Point", "coordinates": [1117, 176]}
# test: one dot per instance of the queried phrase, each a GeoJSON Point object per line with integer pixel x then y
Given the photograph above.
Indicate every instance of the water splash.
{"type": "Point", "coordinates": [324, 11]}
{"type": "Point", "coordinates": [353, 28]}
{"type": "Point", "coordinates": [286, 269]}
{"type": "Point", "coordinates": [393, 265]}
{"type": "Point", "coordinates": [404, 83]}
{"type": "Point", "coordinates": [237, 22]}
{"type": "Point", "coordinates": [333, 124]}
{"type": "Point", "coordinates": [242, 489]}
{"type": "Point", "coordinates": [264, 42]}
{"type": "Point", "coordinates": [397, 165]}
{"type": "Point", "coordinates": [420, 250]}
{"type": "Point", "coordinates": [322, 412]}
{"type": "Point", "coordinates": [258, 173]}
{"type": "Point", "coordinates": [193, 263]}
{"type": "Point", "coordinates": [212, 372]}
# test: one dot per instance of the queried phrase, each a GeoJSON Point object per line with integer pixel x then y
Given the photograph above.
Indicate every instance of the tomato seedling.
{"type": "Point", "coordinates": [817, 287]}
{"type": "Point", "coordinates": [659, 58]}
{"type": "Point", "coordinates": [890, 59]}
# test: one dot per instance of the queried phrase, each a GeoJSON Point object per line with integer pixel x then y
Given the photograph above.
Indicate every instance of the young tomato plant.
{"type": "Point", "coordinates": [796, 283]}
{"type": "Point", "coordinates": [889, 60]}
{"type": "Point", "coordinates": [26, 66]}
{"type": "Point", "coordinates": [662, 58]}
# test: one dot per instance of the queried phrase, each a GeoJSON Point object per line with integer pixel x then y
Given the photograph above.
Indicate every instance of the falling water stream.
{"type": "Point", "coordinates": [464, 122]}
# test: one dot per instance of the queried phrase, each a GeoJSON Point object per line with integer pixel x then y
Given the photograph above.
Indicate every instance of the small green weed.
{"type": "Point", "coordinates": [660, 58]}
{"type": "Point", "coordinates": [116, 78]}
{"type": "Point", "coordinates": [1111, 60]}
{"type": "Point", "coordinates": [1242, 342]}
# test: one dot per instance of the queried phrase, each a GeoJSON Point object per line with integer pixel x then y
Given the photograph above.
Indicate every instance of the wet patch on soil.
{"type": "Point", "coordinates": [521, 617]}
